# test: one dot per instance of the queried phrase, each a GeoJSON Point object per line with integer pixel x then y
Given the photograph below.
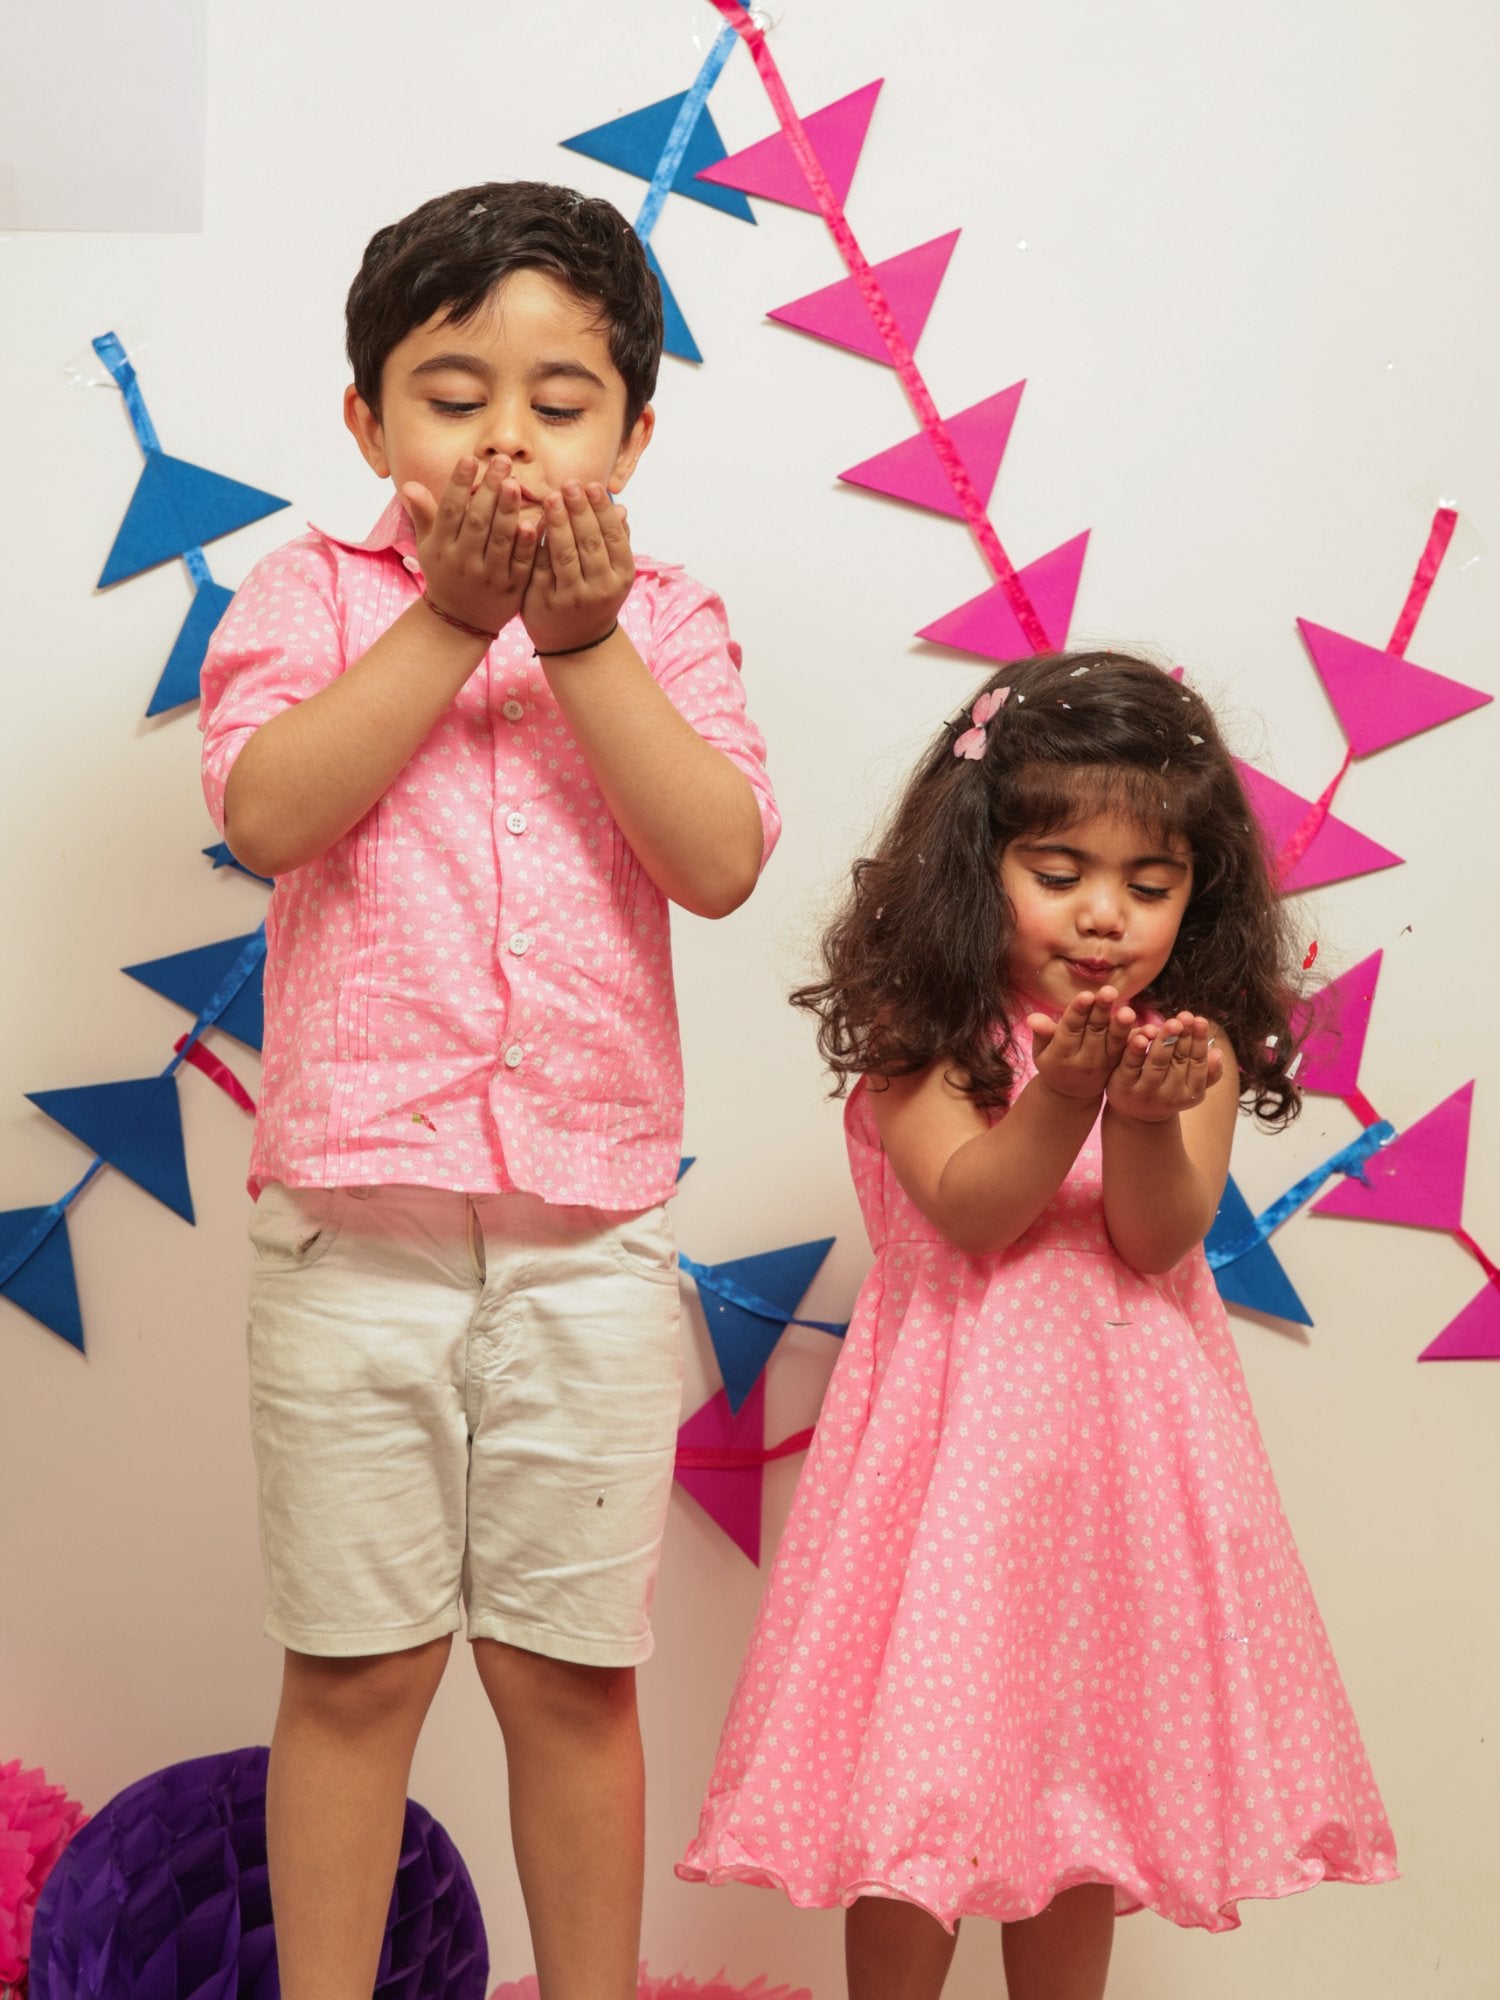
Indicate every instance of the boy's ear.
{"type": "Point", "coordinates": [364, 427]}
{"type": "Point", "coordinates": [632, 445]}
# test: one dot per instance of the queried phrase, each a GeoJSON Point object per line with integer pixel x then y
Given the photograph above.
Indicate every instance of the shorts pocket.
{"type": "Point", "coordinates": [296, 1226]}
{"type": "Point", "coordinates": [641, 1241]}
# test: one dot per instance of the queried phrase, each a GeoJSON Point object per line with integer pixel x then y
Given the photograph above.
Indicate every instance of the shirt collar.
{"type": "Point", "coordinates": [392, 531]}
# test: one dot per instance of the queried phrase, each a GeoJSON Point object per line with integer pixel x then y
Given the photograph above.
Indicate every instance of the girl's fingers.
{"type": "Point", "coordinates": [1137, 1048]}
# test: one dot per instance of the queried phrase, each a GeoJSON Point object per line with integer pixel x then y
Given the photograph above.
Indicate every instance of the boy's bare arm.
{"type": "Point", "coordinates": [310, 773]}
{"type": "Point", "coordinates": [690, 815]}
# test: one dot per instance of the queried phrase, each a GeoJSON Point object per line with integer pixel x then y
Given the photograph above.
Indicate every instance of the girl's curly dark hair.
{"type": "Point", "coordinates": [915, 963]}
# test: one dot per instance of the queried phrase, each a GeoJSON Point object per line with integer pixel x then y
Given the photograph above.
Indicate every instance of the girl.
{"type": "Point", "coordinates": [1038, 1645]}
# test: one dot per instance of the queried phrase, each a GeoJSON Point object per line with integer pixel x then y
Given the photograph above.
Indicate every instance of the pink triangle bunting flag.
{"type": "Point", "coordinates": [1380, 697]}
{"type": "Point", "coordinates": [729, 1495]}
{"type": "Point", "coordinates": [1335, 1022]}
{"type": "Point", "coordinates": [838, 312]}
{"type": "Point", "coordinates": [1418, 1178]}
{"type": "Point", "coordinates": [1474, 1335]}
{"type": "Point", "coordinates": [913, 471]}
{"type": "Point", "coordinates": [1335, 851]}
{"type": "Point", "coordinates": [986, 624]}
{"type": "Point", "coordinates": [770, 168]}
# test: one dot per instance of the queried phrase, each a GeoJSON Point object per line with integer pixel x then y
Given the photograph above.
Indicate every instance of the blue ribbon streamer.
{"type": "Point", "coordinates": [688, 114]}
{"type": "Point", "coordinates": [1349, 1159]}
{"type": "Point", "coordinates": [111, 352]}
{"type": "Point", "coordinates": [223, 993]}
{"type": "Point", "coordinates": [212, 1008]}
{"type": "Point", "coordinates": [708, 1279]}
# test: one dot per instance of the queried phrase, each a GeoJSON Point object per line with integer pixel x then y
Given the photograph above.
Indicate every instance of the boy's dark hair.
{"type": "Point", "coordinates": [448, 256]}
{"type": "Point", "coordinates": [915, 964]}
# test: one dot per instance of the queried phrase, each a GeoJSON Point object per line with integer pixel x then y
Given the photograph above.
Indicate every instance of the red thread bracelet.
{"type": "Point", "coordinates": [458, 624]}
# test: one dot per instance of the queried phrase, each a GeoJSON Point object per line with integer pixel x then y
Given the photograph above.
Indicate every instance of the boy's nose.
{"type": "Point", "coordinates": [504, 431]}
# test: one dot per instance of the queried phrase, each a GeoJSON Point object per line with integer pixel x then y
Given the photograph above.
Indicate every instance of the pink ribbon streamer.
{"type": "Point", "coordinates": [1444, 521]}
{"type": "Point", "coordinates": [737, 1457]}
{"type": "Point", "coordinates": [218, 1072]}
{"type": "Point", "coordinates": [878, 306]}
{"type": "Point", "coordinates": [1489, 1268]}
{"type": "Point", "coordinates": [1362, 1108]}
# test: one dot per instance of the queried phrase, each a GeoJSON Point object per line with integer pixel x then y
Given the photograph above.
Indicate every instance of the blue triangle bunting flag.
{"type": "Point", "coordinates": [636, 142]}
{"type": "Point", "coordinates": [179, 677]}
{"type": "Point", "coordinates": [221, 857]}
{"type": "Point", "coordinates": [684, 1163]}
{"type": "Point", "coordinates": [676, 338]}
{"type": "Point", "coordinates": [44, 1284]}
{"type": "Point", "coordinates": [1255, 1280]}
{"type": "Point", "coordinates": [743, 1340]}
{"type": "Point", "coordinates": [176, 507]}
{"type": "Point", "coordinates": [190, 977]}
{"type": "Point", "coordinates": [135, 1125]}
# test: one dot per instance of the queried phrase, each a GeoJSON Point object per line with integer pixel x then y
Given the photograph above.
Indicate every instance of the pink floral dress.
{"type": "Point", "coordinates": [1037, 1618]}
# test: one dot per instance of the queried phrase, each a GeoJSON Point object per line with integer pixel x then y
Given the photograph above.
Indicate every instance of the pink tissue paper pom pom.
{"type": "Point", "coordinates": [677, 1986]}
{"type": "Point", "coordinates": [37, 1820]}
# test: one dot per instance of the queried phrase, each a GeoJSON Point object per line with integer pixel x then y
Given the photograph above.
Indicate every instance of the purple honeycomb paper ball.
{"type": "Point", "coordinates": [164, 1896]}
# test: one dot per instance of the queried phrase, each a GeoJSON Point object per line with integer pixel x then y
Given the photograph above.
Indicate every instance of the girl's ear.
{"type": "Point", "coordinates": [632, 445]}
{"type": "Point", "coordinates": [364, 426]}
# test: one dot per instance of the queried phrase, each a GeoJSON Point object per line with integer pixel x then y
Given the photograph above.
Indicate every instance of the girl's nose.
{"type": "Point", "coordinates": [1101, 914]}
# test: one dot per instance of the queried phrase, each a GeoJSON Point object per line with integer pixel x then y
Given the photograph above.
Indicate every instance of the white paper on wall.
{"type": "Point", "coordinates": [101, 114]}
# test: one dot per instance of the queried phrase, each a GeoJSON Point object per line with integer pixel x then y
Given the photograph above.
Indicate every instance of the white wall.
{"type": "Point", "coordinates": [1256, 312]}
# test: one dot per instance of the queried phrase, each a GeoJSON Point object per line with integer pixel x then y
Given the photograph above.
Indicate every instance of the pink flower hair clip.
{"type": "Point", "coordinates": [971, 743]}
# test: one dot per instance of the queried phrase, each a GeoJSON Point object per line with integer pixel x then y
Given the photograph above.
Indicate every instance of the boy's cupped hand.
{"type": "Point", "coordinates": [583, 571]}
{"type": "Point", "coordinates": [477, 552]}
{"type": "Point", "coordinates": [1076, 1054]}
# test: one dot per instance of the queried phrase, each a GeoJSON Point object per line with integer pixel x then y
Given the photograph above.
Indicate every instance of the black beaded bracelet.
{"type": "Point", "coordinates": [562, 652]}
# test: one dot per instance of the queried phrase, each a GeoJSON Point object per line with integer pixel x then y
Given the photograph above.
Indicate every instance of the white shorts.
{"type": "Point", "coordinates": [461, 1399]}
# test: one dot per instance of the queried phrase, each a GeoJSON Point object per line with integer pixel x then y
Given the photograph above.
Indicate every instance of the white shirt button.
{"type": "Point", "coordinates": [512, 711]}
{"type": "Point", "coordinates": [519, 942]}
{"type": "Point", "coordinates": [514, 1056]}
{"type": "Point", "coordinates": [411, 563]}
{"type": "Point", "coordinates": [515, 822]}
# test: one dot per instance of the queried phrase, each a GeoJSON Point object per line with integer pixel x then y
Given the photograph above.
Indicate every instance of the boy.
{"type": "Point", "coordinates": [480, 750]}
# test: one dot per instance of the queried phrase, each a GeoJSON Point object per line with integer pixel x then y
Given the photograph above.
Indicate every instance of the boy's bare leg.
{"type": "Point", "coordinates": [1063, 1954]}
{"type": "Point", "coordinates": [894, 1951]}
{"type": "Point", "coordinates": [335, 1800]}
{"type": "Point", "coordinates": [577, 1815]}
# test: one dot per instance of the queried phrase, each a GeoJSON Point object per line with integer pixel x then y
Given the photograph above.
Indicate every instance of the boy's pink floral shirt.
{"type": "Point", "coordinates": [473, 988]}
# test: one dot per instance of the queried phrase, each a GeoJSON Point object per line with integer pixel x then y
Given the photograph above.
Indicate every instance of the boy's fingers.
{"type": "Point", "coordinates": [455, 501]}
{"type": "Point", "coordinates": [421, 506]}
{"type": "Point", "coordinates": [561, 546]}
{"type": "Point", "coordinates": [523, 552]}
{"type": "Point", "coordinates": [611, 518]}
{"type": "Point", "coordinates": [479, 514]}
{"type": "Point", "coordinates": [504, 522]}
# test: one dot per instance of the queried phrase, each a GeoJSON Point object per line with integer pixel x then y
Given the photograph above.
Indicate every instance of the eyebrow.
{"type": "Point", "coordinates": [474, 364]}
{"type": "Point", "coordinates": [1082, 854]}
